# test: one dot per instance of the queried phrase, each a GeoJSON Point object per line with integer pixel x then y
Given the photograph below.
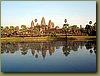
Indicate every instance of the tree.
{"type": "Point", "coordinates": [35, 20]}
{"type": "Point", "coordinates": [17, 28]}
{"type": "Point", "coordinates": [2, 29]}
{"type": "Point", "coordinates": [57, 27]}
{"type": "Point", "coordinates": [6, 30]}
{"type": "Point", "coordinates": [66, 27]}
{"type": "Point", "coordinates": [82, 30]}
{"type": "Point", "coordinates": [36, 31]}
{"type": "Point", "coordinates": [23, 26]}
{"type": "Point", "coordinates": [65, 21]}
{"type": "Point", "coordinates": [89, 28]}
{"type": "Point", "coordinates": [74, 28]}
{"type": "Point", "coordinates": [94, 29]}
{"type": "Point", "coordinates": [12, 29]}
{"type": "Point", "coordinates": [90, 22]}
{"type": "Point", "coordinates": [24, 29]}
{"type": "Point", "coordinates": [53, 34]}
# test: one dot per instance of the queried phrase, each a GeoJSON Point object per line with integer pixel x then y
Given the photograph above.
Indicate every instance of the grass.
{"type": "Point", "coordinates": [44, 39]}
{"type": "Point", "coordinates": [26, 39]}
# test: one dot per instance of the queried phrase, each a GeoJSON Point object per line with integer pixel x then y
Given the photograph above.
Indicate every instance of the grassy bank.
{"type": "Point", "coordinates": [44, 39]}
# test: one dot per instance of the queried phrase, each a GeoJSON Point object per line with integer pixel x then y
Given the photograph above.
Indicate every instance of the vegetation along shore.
{"type": "Point", "coordinates": [46, 39]}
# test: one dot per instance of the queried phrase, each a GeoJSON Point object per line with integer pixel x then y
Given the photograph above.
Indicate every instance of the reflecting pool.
{"type": "Point", "coordinates": [56, 56]}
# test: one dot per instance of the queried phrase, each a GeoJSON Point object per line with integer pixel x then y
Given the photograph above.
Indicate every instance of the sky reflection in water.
{"type": "Point", "coordinates": [58, 56]}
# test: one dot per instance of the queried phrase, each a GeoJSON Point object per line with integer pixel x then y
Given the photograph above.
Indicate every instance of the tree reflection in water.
{"type": "Point", "coordinates": [91, 46]}
{"type": "Point", "coordinates": [67, 47]}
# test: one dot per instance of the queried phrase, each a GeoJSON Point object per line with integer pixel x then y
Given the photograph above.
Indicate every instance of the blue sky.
{"type": "Point", "coordinates": [23, 12]}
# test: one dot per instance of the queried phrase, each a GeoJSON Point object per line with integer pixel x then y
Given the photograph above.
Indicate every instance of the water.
{"type": "Point", "coordinates": [58, 56]}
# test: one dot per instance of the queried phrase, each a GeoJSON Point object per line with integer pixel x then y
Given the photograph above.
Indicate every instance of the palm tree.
{"type": "Point", "coordinates": [65, 21]}
{"type": "Point", "coordinates": [35, 20]}
{"type": "Point", "coordinates": [89, 28]}
{"type": "Point", "coordinates": [66, 27]}
{"type": "Point", "coordinates": [36, 24]}
{"type": "Point", "coordinates": [90, 22]}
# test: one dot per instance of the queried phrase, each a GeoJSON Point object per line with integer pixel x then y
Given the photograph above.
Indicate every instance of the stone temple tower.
{"type": "Point", "coordinates": [50, 24]}
{"type": "Point", "coordinates": [32, 24]}
{"type": "Point", "coordinates": [43, 21]}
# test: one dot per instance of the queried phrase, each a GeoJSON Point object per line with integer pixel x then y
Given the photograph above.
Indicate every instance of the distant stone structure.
{"type": "Point", "coordinates": [32, 24]}
{"type": "Point", "coordinates": [50, 24]}
{"type": "Point", "coordinates": [42, 27]}
{"type": "Point", "coordinates": [43, 21]}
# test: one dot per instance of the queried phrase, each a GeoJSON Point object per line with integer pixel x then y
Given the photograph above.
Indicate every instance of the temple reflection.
{"type": "Point", "coordinates": [50, 47]}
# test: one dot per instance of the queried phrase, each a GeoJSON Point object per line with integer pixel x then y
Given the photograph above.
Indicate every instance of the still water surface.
{"type": "Point", "coordinates": [57, 56]}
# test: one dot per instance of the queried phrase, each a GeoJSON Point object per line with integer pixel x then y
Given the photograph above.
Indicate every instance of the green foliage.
{"type": "Point", "coordinates": [74, 28]}
{"type": "Point", "coordinates": [65, 20]}
{"type": "Point", "coordinates": [91, 30]}
{"type": "Point", "coordinates": [82, 30]}
{"type": "Point", "coordinates": [36, 30]}
{"type": "Point", "coordinates": [90, 22]}
{"type": "Point", "coordinates": [6, 27]}
{"type": "Point", "coordinates": [1, 27]}
{"type": "Point", "coordinates": [12, 27]}
{"type": "Point", "coordinates": [16, 28]}
{"type": "Point", "coordinates": [24, 29]}
{"type": "Point", "coordinates": [53, 34]}
{"type": "Point", "coordinates": [35, 20]}
{"type": "Point", "coordinates": [66, 27]}
{"type": "Point", "coordinates": [56, 27]}
{"type": "Point", "coordinates": [6, 30]}
{"type": "Point", "coordinates": [23, 26]}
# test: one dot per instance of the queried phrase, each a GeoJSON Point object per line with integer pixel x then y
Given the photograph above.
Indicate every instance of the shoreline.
{"type": "Point", "coordinates": [46, 39]}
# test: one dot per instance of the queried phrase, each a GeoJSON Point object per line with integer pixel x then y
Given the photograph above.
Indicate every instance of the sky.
{"type": "Point", "coordinates": [19, 13]}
